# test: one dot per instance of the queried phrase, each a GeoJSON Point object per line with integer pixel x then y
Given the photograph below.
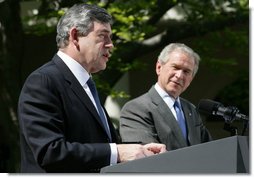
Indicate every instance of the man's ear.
{"type": "Point", "coordinates": [158, 67]}
{"type": "Point", "coordinates": [74, 37]}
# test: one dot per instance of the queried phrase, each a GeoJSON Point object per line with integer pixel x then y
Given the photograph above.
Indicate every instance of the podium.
{"type": "Point", "coordinates": [227, 155]}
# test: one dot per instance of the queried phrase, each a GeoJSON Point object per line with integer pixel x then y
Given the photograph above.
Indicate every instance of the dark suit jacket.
{"type": "Point", "coordinates": [60, 129]}
{"type": "Point", "coordinates": [148, 119]}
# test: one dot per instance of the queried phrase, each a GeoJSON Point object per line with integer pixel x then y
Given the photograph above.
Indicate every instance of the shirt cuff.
{"type": "Point", "coordinates": [113, 157]}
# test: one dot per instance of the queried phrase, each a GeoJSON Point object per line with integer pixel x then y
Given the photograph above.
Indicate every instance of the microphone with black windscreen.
{"type": "Point", "coordinates": [210, 107]}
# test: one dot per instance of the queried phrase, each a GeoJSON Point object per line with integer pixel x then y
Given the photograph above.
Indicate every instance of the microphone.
{"type": "Point", "coordinates": [230, 113]}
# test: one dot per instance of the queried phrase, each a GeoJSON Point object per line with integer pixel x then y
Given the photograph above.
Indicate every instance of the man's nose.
{"type": "Point", "coordinates": [109, 45]}
{"type": "Point", "coordinates": [179, 73]}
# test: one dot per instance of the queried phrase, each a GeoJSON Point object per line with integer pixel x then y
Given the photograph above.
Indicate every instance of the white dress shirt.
{"type": "Point", "coordinates": [167, 98]}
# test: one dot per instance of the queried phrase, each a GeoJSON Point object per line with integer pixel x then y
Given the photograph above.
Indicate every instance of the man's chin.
{"type": "Point", "coordinates": [102, 67]}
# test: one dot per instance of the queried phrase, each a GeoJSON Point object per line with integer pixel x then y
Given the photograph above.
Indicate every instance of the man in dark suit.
{"type": "Point", "coordinates": [63, 127]}
{"type": "Point", "coordinates": [161, 115]}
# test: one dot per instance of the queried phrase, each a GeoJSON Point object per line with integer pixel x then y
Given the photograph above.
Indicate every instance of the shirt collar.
{"type": "Point", "coordinates": [78, 71]}
{"type": "Point", "coordinates": [164, 95]}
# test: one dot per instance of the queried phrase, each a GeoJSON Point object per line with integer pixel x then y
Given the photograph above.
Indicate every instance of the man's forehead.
{"type": "Point", "coordinates": [102, 27]}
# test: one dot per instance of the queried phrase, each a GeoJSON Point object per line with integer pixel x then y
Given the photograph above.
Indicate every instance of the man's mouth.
{"type": "Point", "coordinates": [177, 83]}
{"type": "Point", "coordinates": [106, 55]}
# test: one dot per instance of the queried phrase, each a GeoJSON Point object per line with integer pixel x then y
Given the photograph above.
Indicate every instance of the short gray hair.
{"type": "Point", "coordinates": [80, 16]}
{"type": "Point", "coordinates": [163, 57]}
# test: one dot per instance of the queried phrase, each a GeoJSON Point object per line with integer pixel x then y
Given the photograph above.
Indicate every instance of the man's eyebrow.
{"type": "Point", "coordinates": [104, 31]}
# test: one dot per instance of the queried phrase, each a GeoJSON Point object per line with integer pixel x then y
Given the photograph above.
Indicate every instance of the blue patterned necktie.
{"type": "Point", "coordinates": [180, 118]}
{"type": "Point", "coordinates": [93, 89]}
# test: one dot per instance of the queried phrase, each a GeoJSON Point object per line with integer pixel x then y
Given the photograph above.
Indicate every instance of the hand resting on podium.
{"type": "Point", "coordinates": [129, 152]}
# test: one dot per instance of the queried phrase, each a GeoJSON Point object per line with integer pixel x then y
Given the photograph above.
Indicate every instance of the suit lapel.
{"type": "Point", "coordinates": [77, 88]}
{"type": "Point", "coordinates": [166, 116]}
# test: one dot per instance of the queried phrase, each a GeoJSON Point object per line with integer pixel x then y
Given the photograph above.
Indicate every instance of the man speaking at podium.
{"type": "Point", "coordinates": [63, 127]}
{"type": "Point", "coordinates": [161, 115]}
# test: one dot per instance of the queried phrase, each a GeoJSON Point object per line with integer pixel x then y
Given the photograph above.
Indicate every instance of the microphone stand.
{"type": "Point", "coordinates": [230, 118]}
{"type": "Point", "coordinates": [230, 128]}
{"type": "Point", "coordinates": [245, 125]}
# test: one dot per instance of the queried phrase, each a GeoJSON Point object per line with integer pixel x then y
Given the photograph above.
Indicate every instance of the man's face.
{"type": "Point", "coordinates": [175, 75]}
{"type": "Point", "coordinates": [95, 48]}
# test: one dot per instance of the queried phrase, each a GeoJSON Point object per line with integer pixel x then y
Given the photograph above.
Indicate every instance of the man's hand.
{"type": "Point", "coordinates": [156, 148]}
{"type": "Point", "coordinates": [128, 152]}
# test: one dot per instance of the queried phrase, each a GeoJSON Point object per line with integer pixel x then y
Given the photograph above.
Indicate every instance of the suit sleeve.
{"type": "Point", "coordinates": [136, 123]}
{"type": "Point", "coordinates": [43, 127]}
